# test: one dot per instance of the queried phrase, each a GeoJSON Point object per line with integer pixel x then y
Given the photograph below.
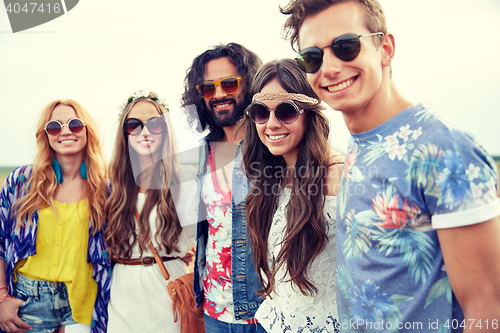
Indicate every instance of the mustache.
{"type": "Point", "coordinates": [220, 101]}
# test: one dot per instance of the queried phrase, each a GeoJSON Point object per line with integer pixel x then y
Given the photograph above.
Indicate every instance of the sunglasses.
{"type": "Point", "coordinates": [54, 127]}
{"type": "Point", "coordinates": [286, 112]}
{"type": "Point", "coordinates": [229, 85]}
{"type": "Point", "coordinates": [345, 47]}
{"type": "Point", "coordinates": [133, 126]}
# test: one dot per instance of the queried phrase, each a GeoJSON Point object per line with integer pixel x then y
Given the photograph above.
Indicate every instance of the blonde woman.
{"type": "Point", "coordinates": [53, 266]}
{"type": "Point", "coordinates": [145, 179]}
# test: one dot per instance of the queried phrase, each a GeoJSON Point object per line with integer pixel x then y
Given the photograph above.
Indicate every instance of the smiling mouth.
{"type": "Point", "coordinates": [146, 142]}
{"type": "Point", "coordinates": [277, 137]}
{"type": "Point", "coordinates": [67, 141]}
{"type": "Point", "coordinates": [341, 86]}
{"type": "Point", "coordinates": [222, 105]}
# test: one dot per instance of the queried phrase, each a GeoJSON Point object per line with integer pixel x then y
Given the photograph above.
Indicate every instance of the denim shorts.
{"type": "Point", "coordinates": [46, 306]}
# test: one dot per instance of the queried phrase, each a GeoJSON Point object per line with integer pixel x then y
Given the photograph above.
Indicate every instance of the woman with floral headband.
{"type": "Point", "coordinates": [291, 206]}
{"type": "Point", "coordinates": [147, 202]}
{"type": "Point", "coordinates": [54, 269]}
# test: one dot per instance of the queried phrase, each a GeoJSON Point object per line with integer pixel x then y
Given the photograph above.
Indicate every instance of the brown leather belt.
{"type": "Point", "coordinates": [145, 261]}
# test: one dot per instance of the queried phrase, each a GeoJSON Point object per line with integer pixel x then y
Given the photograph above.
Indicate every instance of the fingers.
{"type": "Point", "coordinates": [12, 327]}
{"type": "Point", "coordinates": [20, 324]}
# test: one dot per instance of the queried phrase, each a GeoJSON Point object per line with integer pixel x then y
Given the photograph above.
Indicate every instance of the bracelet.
{"type": "Point", "coordinates": [4, 297]}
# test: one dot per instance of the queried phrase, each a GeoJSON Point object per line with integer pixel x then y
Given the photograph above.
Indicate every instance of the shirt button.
{"type": "Point", "coordinates": [57, 243]}
{"type": "Point", "coordinates": [55, 263]}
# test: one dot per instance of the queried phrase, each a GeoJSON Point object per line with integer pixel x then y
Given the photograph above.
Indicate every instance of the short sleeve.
{"type": "Point", "coordinates": [463, 190]}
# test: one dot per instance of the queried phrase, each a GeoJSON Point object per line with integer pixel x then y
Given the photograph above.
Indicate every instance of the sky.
{"type": "Point", "coordinates": [100, 52]}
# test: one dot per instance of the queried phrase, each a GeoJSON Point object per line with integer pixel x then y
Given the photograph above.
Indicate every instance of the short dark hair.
{"type": "Point", "coordinates": [300, 9]}
{"type": "Point", "coordinates": [246, 63]}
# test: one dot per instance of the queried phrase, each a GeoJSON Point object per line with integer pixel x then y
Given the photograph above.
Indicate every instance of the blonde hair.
{"type": "Point", "coordinates": [120, 209]}
{"type": "Point", "coordinates": [42, 184]}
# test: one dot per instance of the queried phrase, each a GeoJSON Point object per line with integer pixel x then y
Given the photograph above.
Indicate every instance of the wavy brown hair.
{"type": "Point", "coordinates": [42, 185]}
{"type": "Point", "coordinates": [121, 205]}
{"type": "Point", "coordinates": [299, 10]}
{"type": "Point", "coordinates": [306, 228]}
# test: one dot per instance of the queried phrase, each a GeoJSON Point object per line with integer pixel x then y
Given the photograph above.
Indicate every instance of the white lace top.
{"type": "Point", "coordinates": [287, 309]}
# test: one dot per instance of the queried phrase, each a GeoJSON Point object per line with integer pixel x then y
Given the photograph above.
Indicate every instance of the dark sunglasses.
{"type": "Point", "coordinates": [229, 85]}
{"type": "Point", "coordinates": [133, 126]}
{"type": "Point", "coordinates": [345, 47]}
{"type": "Point", "coordinates": [54, 127]}
{"type": "Point", "coordinates": [286, 112]}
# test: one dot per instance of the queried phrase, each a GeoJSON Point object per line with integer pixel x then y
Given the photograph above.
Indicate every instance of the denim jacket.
{"type": "Point", "coordinates": [245, 279]}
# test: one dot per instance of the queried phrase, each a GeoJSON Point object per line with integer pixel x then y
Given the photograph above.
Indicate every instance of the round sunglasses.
{"type": "Point", "coordinates": [345, 47]}
{"type": "Point", "coordinates": [54, 127]}
{"type": "Point", "coordinates": [134, 126]}
{"type": "Point", "coordinates": [286, 112]}
{"type": "Point", "coordinates": [229, 85]}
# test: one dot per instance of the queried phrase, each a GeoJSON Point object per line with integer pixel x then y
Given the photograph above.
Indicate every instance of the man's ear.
{"type": "Point", "coordinates": [388, 48]}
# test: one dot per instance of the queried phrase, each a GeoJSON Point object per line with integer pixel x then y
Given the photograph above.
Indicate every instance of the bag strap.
{"type": "Point", "coordinates": [158, 260]}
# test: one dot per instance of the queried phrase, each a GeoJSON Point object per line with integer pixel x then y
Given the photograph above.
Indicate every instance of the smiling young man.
{"type": "Point", "coordinates": [225, 280]}
{"type": "Point", "coordinates": [418, 233]}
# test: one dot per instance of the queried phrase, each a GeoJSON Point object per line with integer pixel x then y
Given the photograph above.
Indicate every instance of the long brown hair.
{"type": "Point", "coordinates": [121, 205]}
{"type": "Point", "coordinates": [42, 185]}
{"type": "Point", "coordinates": [306, 228]}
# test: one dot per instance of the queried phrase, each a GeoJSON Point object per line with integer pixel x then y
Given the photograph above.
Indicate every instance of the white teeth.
{"type": "Point", "coordinates": [340, 86]}
{"type": "Point", "coordinates": [222, 105]}
{"type": "Point", "coordinates": [67, 141]}
{"type": "Point", "coordinates": [277, 137]}
{"type": "Point", "coordinates": [145, 142]}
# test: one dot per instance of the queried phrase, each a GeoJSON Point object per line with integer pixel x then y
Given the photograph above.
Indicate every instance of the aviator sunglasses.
{"type": "Point", "coordinates": [345, 47]}
{"type": "Point", "coordinates": [133, 126]}
{"type": "Point", "coordinates": [286, 112]}
{"type": "Point", "coordinates": [54, 127]}
{"type": "Point", "coordinates": [229, 85]}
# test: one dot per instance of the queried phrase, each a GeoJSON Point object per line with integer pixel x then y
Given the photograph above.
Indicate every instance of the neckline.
{"type": "Point", "coordinates": [68, 204]}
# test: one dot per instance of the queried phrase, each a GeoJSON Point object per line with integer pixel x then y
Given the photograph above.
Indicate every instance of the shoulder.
{"type": "Point", "coordinates": [19, 176]}
{"type": "Point", "coordinates": [187, 172]}
{"type": "Point", "coordinates": [334, 172]}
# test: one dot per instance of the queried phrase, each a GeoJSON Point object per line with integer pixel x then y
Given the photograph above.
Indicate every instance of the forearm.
{"type": "Point", "coordinates": [3, 280]}
{"type": "Point", "coordinates": [472, 258]}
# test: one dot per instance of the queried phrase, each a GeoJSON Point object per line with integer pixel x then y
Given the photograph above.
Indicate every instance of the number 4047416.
{"type": "Point", "coordinates": [470, 323]}
{"type": "Point", "coordinates": [33, 7]}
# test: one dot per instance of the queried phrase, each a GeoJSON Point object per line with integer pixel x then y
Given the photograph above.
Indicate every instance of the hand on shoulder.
{"type": "Point", "coordinates": [334, 174]}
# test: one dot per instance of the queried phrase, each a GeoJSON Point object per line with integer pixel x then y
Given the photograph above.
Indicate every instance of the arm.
{"type": "Point", "coordinates": [334, 173]}
{"type": "Point", "coordinates": [9, 320]}
{"type": "Point", "coordinates": [472, 258]}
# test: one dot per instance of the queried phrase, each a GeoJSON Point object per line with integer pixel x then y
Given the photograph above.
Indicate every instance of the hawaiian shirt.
{"type": "Point", "coordinates": [402, 180]}
{"type": "Point", "coordinates": [217, 280]}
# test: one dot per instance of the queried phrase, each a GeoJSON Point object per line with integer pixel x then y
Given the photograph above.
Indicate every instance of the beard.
{"type": "Point", "coordinates": [228, 119]}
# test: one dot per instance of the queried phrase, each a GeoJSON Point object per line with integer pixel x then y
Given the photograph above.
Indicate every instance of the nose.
{"type": "Point", "coordinates": [273, 122]}
{"type": "Point", "coordinates": [145, 132]}
{"type": "Point", "coordinates": [331, 64]}
{"type": "Point", "coordinates": [65, 129]}
{"type": "Point", "coordinates": [219, 93]}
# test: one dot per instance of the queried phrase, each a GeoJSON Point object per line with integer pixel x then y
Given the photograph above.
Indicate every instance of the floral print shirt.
{"type": "Point", "coordinates": [217, 279]}
{"type": "Point", "coordinates": [402, 180]}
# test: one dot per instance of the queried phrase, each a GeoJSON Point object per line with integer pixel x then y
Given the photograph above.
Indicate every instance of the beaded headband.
{"type": "Point", "coordinates": [142, 94]}
{"type": "Point", "coordinates": [287, 96]}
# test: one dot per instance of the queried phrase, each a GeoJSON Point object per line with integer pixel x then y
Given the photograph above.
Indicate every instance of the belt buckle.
{"type": "Point", "coordinates": [150, 264]}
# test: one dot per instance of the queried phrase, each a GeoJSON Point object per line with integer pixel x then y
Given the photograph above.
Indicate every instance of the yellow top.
{"type": "Point", "coordinates": [61, 256]}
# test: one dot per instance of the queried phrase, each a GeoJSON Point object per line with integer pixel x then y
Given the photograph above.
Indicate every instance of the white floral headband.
{"type": "Point", "coordinates": [142, 94]}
